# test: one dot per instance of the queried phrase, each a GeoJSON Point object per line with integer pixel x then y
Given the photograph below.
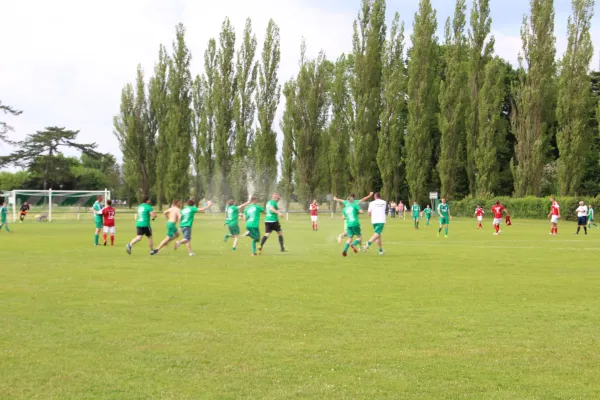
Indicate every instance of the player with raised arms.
{"type": "Point", "coordinates": [232, 216]}
{"type": "Point", "coordinates": [314, 211]}
{"type": "Point", "coordinates": [351, 211]}
{"type": "Point", "coordinates": [377, 212]}
{"type": "Point", "coordinates": [498, 211]}
{"type": "Point", "coordinates": [342, 235]}
{"type": "Point", "coordinates": [187, 220]}
{"type": "Point", "coordinates": [554, 216]}
{"type": "Point", "coordinates": [252, 214]}
{"type": "Point", "coordinates": [142, 224]}
{"type": "Point", "coordinates": [443, 210]}
{"type": "Point", "coordinates": [479, 213]}
{"type": "Point", "coordinates": [272, 222]}
{"type": "Point", "coordinates": [173, 215]}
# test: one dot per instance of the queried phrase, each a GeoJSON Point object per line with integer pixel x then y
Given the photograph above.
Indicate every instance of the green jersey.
{"type": "Point", "coordinates": [252, 213]}
{"type": "Point", "coordinates": [187, 216]}
{"type": "Point", "coordinates": [3, 212]}
{"type": "Point", "coordinates": [350, 211]}
{"type": "Point", "coordinates": [444, 210]}
{"type": "Point", "coordinates": [427, 212]}
{"type": "Point", "coordinates": [416, 209]}
{"type": "Point", "coordinates": [232, 215]}
{"type": "Point", "coordinates": [271, 216]}
{"type": "Point", "coordinates": [97, 208]}
{"type": "Point", "coordinates": [143, 215]}
{"type": "Point", "coordinates": [590, 213]}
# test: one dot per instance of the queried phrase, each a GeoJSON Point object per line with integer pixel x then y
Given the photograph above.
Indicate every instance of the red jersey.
{"type": "Point", "coordinates": [555, 209]}
{"type": "Point", "coordinates": [497, 210]}
{"type": "Point", "coordinates": [314, 209]}
{"type": "Point", "coordinates": [479, 212]}
{"type": "Point", "coordinates": [109, 216]}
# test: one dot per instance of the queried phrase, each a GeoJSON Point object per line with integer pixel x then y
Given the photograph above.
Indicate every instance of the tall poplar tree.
{"type": "Point", "coordinates": [245, 107]}
{"type": "Point", "coordinates": [287, 126]}
{"type": "Point", "coordinates": [423, 89]}
{"type": "Point", "coordinates": [199, 106]}
{"type": "Point", "coordinates": [158, 108]}
{"type": "Point", "coordinates": [394, 112]}
{"type": "Point", "coordinates": [492, 127]}
{"type": "Point", "coordinates": [179, 120]}
{"type": "Point", "coordinates": [453, 101]}
{"type": "Point", "coordinates": [264, 150]}
{"type": "Point", "coordinates": [368, 47]}
{"type": "Point", "coordinates": [534, 98]}
{"type": "Point", "coordinates": [573, 137]}
{"type": "Point", "coordinates": [481, 48]}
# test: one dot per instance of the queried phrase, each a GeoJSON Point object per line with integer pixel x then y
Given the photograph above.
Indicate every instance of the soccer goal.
{"type": "Point", "coordinates": [49, 205]}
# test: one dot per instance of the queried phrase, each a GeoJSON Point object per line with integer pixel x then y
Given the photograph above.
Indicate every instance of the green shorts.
{"type": "Point", "coordinates": [444, 220]}
{"type": "Point", "coordinates": [415, 217]}
{"type": "Point", "coordinates": [171, 230]}
{"type": "Point", "coordinates": [99, 223]}
{"type": "Point", "coordinates": [254, 233]}
{"type": "Point", "coordinates": [427, 217]}
{"type": "Point", "coordinates": [234, 230]}
{"type": "Point", "coordinates": [353, 231]}
{"type": "Point", "coordinates": [378, 228]}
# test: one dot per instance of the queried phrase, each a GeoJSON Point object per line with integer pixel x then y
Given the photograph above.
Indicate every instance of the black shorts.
{"type": "Point", "coordinates": [581, 220]}
{"type": "Point", "coordinates": [144, 231]}
{"type": "Point", "coordinates": [272, 227]}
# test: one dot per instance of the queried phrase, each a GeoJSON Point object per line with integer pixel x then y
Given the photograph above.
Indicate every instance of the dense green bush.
{"type": "Point", "coordinates": [525, 207]}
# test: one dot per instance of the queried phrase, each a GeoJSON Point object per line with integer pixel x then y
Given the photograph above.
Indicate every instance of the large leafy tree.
{"type": "Point", "coordinates": [5, 127]}
{"type": "Point", "coordinates": [573, 137]}
{"type": "Point", "coordinates": [288, 126]}
{"type": "Point", "coordinates": [157, 119]}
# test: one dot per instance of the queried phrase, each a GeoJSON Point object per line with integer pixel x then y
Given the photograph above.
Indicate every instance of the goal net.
{"type": "Point", "coordinates": [54, 205]}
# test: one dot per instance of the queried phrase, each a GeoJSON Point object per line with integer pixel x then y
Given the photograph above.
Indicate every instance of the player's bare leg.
{"type": "Point", "coordinates": [235, 241]}
{"type": "Point", "coordinates": [373, 239]}
{"type": "Point", "coordinates": [165, 242]}
{"type": "Point", "coordinates": [130, 245]}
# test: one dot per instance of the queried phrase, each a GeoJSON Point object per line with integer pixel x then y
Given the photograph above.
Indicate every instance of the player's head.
{"type": "Point", "coordinates": [581, 203]}
{"type": "Point", "coordinates": [428, 206]}
{"type": "Point", "coordinates": [276, 196]}
{"type": "Point", "coordinates": [253, 200]}
{"type": "Point", "coordinates": [146, 199]}
{"type": "Point", "coordinates": [552, 199]}
{"type": "Point", "coordinates": [314, 202]}
{"type": "Point", "coordinates": [443, 200]}
{"type": "Point", "coordinates": [24, 203]}
{"type": "Point", "coordinates": [377, 196]}
{"type": "Point", "coordinates": [415, 202]}
{"type": "Point", "coordinates": [351, 197]}
{"type": "Point", "coordinates": [4, 203]}
{"type": "Point", "coordinates": [230, 202]}
{"type": "Point", "coordinates": [190, 202]}
{"type": "Point", "coordinates": [109, 202]}
{"type": "Point", "coordinates": [590, 206]}
{"type": "Point", "coordinates": [497, 203]}
{"type": "Point", "coordinates": [177, 203]}
{"type": "Point", "coordinates": [99, 198]}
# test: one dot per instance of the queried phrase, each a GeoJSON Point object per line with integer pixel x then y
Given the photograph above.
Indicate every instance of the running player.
{"type": "Point", "coordinates": [342, 235]}
{"type": "Point", "coordinates": [582, 213]}
{"type": "Point", "coordinates": [272, 222]}
{"type": "Point", "coordinates": [142, 224]}
{"type": "Point", "coordinates": [23, 211]}
{"type": "Point", "coordinates": [314, 211]}
{"type": "Point", "coordinates": [416, 211]}
{"type": "Point", "coordinates": [173, 215]}
{"type": "Point", "coordinates": [591, 217]}
{"type": "Point", "coordinates": [479, 213]}
{"type": "Point", "coordinates": [498, 211]}
{"type": "Point", "coordinates": [232, 213]}
{"type": "Point", "coordinates": [252, 214]}
{"type": "Point", "coordinates": [351, 211]}
{"type": "Point", "coordinates": [554, 216]}
{"type": "Point", "coordinates": [96, 209]}
{"type": "Point", "coordinates": [377, 212]}
{"type": "Point", "coordinates": [3, 220]}
{"type": "Point", "coordinates": [427, 211]}
{"type": "Point", "coordinates": [187, 220]}
{"type": "Point", "coordinates": [108, 214]}
{"type": "Point", "coordinates": [444, 213]}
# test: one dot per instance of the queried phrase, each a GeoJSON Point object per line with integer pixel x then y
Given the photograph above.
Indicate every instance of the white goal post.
{"type": "Point", "coordinates": [49, 199]}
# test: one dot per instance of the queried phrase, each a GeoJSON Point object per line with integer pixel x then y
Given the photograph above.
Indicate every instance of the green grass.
{"type": "Point", "coordinates": [469, 317]}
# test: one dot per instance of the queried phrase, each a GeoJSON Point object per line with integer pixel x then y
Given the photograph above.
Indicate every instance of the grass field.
{"type": "Point", "coordinates": [469, 317]}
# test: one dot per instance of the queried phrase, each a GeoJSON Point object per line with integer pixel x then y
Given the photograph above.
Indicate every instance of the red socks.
{"type": "Point", "coordinates": [554, 230]}
{"type": "Point", "coordinates": [104, 236]}
{"type": "Point", "coordinates": [497, 228]}
{"type": "Point", "coordinates": [112, 240]}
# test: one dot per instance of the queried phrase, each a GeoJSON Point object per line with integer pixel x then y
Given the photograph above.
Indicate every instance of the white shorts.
{"type": "Point", "coordinates": [109, 229]}
{"type": "Point", "coordinates": [313, 218]}
{"type": "Point", "coordinates": [554, 219]}
{"type": "Point", "coordinates": [497, 221]}
{"type": "Point", "coordinates": [480, 218]}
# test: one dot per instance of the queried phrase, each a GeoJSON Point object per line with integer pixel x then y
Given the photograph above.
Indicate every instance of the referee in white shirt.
{"type": "Point", "coordinates": [582, 212]}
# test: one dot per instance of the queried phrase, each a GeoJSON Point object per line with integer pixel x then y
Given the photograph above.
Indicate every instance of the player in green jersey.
{"type": "Point", "coordinates": [351, 211]}
{"type": "Point", "coordinates": [342, 235]}
{"type": "Point", "coordinates": [142, 224]}
{"type": "Point", "coordinates": [252, 214]}
{"type": "Point", "coordinates": [590, 218]}
{"type": "Point", "coordinates": [272, 222]}
{"type": "Point", "coordinates": [232, 216]}
{"type": "Point", "coordinates": [416, 212]}
{"type": "Point", "coordinates": [3, 219]}
{"type": "Point", "coordinates": [173, 215]}
{"type": "Point", "coordinates": [444, 213]}
{"type": "Point", "coordinates": [187, 220]}
{"type": "Point", "coordinates": [427, 212]}
{"type": "Point", "coordinates": [96, 209]}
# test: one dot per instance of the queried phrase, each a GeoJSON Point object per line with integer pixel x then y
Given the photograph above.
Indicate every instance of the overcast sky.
{"type": "Point", "coordinates": [64, 62]}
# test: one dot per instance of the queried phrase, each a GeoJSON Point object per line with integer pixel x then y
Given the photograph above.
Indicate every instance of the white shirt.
{"type": "Point", "coordinates": [377, 211]}
{"type": "Point", "coordinates": [582, 211]}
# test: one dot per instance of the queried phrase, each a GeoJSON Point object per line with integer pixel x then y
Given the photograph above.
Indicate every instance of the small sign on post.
{"type": "Point", "coordinates": [433, 195]}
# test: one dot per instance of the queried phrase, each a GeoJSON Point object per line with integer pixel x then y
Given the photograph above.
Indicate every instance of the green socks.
{"type": "Point", "coordinates": [346, 246]}
{"type": "Point", "coordinates": [96, 237]}
{"type": "Point", "coordinates": [356, 242]}
{"type": "Point", "coordinates": [226, 237]}
{"type": "Point", "coordinates": [368, 244]}
{"type": "Point", "coordinates": [254, 247]}
{"type": "Point", "coordinates": [446, 231]}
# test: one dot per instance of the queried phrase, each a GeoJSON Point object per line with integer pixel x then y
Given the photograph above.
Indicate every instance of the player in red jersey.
{"type": "Point", "coordinates": [479, 214]}
{"type": "Point", "coordinates": [554, 216]}
{"type": "Point", "coordinates": [498, 210]}
{"type": "Point", "coordinates": [314, 211]}
{"type": "Point", "coordinates": [108, 213]}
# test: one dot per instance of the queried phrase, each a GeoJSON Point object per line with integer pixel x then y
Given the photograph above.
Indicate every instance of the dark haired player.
{"type": "Point", "coordinates": [142, 225]}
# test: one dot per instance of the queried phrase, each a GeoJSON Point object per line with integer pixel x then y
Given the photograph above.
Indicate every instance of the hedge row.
{"type": "Point", "coordinates": [524, 207]}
